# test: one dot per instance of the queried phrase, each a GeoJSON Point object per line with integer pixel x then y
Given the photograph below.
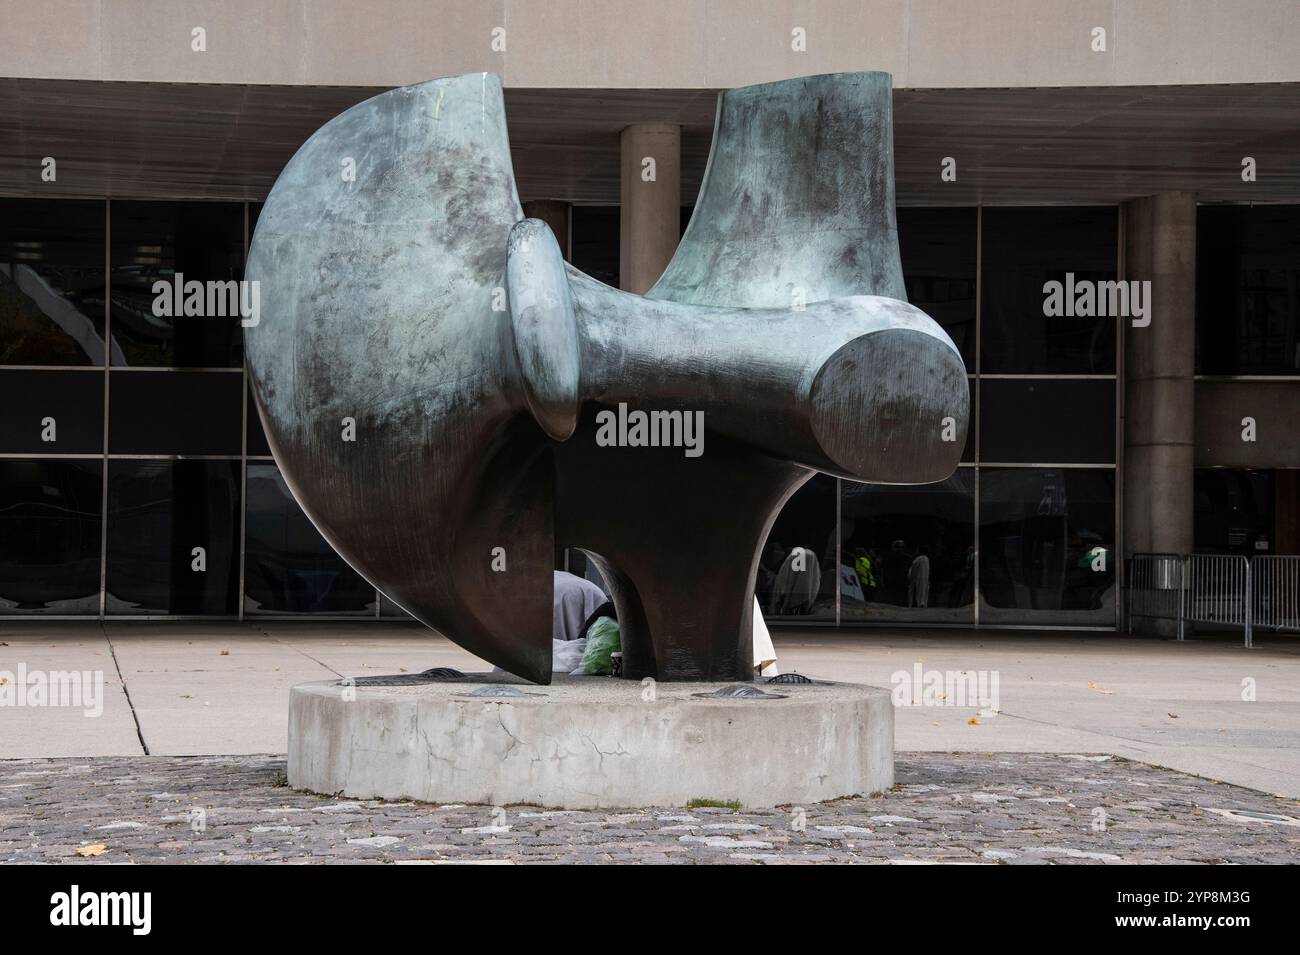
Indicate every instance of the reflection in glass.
{"type": "Point", "coordinates": [1248, 290]}
{"type": "Point", "coordinates": [908, 553]}
{"type": "Point", "coordinates": [1047, 546]}
{"type": "Point", "coordinates": [49, 536]}
{"type": "Point", "coordinates": [1023, 250]}
{"type": "Point", "coordinates": [938, 253]}
{"type": "Point", "coordinates": [151, 241]}
{"type": "Point", "coordinates": [288, 566]}
{"type": "Point", "coordinates": [51, 282]}
{"type": "Point", "coordinates": [796, 571]}
{"type": "Point", "coordinates": [173, 537]}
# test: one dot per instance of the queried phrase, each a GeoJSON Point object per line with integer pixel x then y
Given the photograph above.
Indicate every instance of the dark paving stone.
{"type": "Point", "coordinates": [946, 808]}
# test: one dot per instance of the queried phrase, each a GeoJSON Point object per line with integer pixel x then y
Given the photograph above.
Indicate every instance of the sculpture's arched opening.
{"type": "Point", "coordinates": [638, 652]}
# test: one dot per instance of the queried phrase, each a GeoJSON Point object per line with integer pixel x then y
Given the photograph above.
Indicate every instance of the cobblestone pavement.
{"type": "Point", "coordinates": [1002, 808]}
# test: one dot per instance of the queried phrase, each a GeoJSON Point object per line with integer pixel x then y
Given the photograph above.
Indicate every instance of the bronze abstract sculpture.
{"type": "Point", "coordinates": [452, 404]}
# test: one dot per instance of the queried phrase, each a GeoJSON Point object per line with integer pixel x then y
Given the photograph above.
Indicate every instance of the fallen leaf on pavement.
{"type": "Point", "coordinates": [98, 849]}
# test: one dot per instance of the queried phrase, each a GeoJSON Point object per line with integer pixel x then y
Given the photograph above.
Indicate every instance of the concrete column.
{"type": "Point", "coordinates": [558, 215]}
{"type": "Point", "coordinates": [1159, 400]}
{"type": "Point", "coordinates": [650, 198]}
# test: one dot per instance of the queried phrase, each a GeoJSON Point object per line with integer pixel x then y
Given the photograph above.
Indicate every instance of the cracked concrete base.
{"type": "Point", "coordinates": [590, 742]}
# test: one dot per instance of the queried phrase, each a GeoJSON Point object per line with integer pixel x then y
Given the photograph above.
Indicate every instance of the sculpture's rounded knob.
{"type": "Point", "coordinates": [545, 331]}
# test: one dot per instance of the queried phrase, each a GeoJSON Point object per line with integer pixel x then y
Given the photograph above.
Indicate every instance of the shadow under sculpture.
{"type": "Point", "coordinates": [479, 368]}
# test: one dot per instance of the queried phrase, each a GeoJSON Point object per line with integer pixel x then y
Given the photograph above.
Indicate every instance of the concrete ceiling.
{"type": "Point", "coordinates": [1021, 146]}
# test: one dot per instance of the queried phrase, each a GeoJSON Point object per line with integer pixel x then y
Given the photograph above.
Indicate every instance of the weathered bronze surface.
{"type": "Point", "coordinates": [479, 370]}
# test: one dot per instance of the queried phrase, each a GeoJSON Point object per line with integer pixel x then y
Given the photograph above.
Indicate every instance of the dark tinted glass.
{"type": "Point", "coordinates": [153, 241]}
{"type": "Point", "coordinates": [51, 282]}
{"type": "Point", "coordinates": [1047, 546]}
{"type": "Point", "coordinates": [289, 568]}
{"type": "Point", "coordinates": [1023, 250]}
{"type": "Point", "coordinates": [1040, 421]}
{"type": "Point", "coordinates": [175, 412]}
{"type": "Point", "coordinates": [256, 435]}
{"type": "Point", "coordinates": [159, 512]}
{"type": "Point", "coordinates": [1248, 290]}
{"type": "Point", "coordinates": [908, 553]}
{"type": "Point", "coordinates": [1233, 512]}
{"type": "Point", "coordinates": [49, 536]}
{"type": "Point", "coordinates": [938, 251]}
{"type": "Point", "coordinates": [51, 412]}
{"type": "Point", "coordinates": [796, 571]}
{"type": "Point", "coordinates": [594, 242]}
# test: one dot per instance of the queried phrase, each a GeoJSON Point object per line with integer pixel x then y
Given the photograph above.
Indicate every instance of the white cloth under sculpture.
{"type": "Point", "coordinates": [764, 652]}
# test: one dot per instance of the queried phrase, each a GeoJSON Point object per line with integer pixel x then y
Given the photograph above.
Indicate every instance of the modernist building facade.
{"type": "Point", "coordinates": [1148, 401]}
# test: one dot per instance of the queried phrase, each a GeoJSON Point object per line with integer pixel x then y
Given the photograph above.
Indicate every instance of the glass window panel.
{"type": "Point", "coordinates": [796, 570]}
{"type": "Point", "coordinates": [908, 553]}
{"type": "Point", "coordinates": [972, 426]}
{"type": "Point", "coordinates": [1041, 421]}
{"type": "Point", "coordinates": [1023, 250]}
{"type": "Point", "coordinates": [594, 243]}
{"type": "Point", "coordinates": [1248, 290]}
{"type": "Point", "coordinates": [1047, 546]}
{"type": "Point", "coordinates": [175, 412]}
{"type": "Point", "coordinates": [51, 412]}
{"type": "Point", "coordinates": [938, 251]}
{"type": "Point", "coordinates": [1233, 511]}
{"type": "Point", "coordinates": [200, 241]}
{"type": "Point", "coordinates": [289, 568]}
{"type": "Point", "coordinates": [158, 513]}
{"type": "Point", "coordinates": [49, 536]}
{"type": "Point", "coordinates": [51, 282]}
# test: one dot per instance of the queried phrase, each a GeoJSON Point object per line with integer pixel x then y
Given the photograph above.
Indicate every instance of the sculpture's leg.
{"type": "Point", "coordinates": [504, 558]}
{"type": "Point", "coordinates": [679, 540]}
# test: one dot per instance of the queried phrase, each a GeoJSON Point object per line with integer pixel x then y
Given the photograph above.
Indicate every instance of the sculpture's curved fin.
{"type": "Point", "coordinates": [797, 203]}
{"type": "Point", "coordinates": [384, 376]}
{"type": "Point", "coordinates": [384, 235]}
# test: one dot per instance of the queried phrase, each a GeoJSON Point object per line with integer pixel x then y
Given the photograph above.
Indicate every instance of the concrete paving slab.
{"type": "Point", "coordinates": [96, 720]}
{"type": "Point", "coordinates": [1175, 705]}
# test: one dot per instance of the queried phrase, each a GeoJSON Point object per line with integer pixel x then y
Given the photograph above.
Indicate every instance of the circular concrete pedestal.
{"type": "Point", "coordinates": [590, 742]}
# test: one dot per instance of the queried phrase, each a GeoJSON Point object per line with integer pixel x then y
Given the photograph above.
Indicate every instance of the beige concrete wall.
{"type": "Point", "coordinates": [673, 44]}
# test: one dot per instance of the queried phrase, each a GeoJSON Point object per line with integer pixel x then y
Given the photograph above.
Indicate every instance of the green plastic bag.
{"type": "Point", "coordinates": [603, 641]}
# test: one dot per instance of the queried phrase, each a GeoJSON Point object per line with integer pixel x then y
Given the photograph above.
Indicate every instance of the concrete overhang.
{"type": "Point", "coordinates": [1011, 146]}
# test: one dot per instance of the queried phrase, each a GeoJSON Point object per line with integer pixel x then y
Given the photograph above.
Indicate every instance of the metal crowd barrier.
{"type": "Point", "coordinates": [1221, 589]}
{"type": "Point", "coordinates": [1275, 603]}
{"type": "Point", "coordinates": [1155, 587]}
{"type": "Point", "coordinates": [1217, 591]}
